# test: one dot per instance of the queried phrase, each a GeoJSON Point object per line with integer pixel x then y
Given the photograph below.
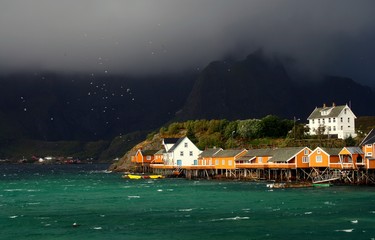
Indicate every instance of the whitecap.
{"type": "Point", "coordinates": [308, 213]}
{"type": "Point", "coordinates": [230, 219]}
{"type": "Point", "coordinates": [97, 228]}
{"type": "Point", "coordinates": [47, 224]}
{"type": "Point", "coordinates": [14, 190]}
{"type": "Point", "coordinates": [160, 190]}
{"type": "Point", "coordinates": [102, 215]}
{"type": "Point", "coordinates": [185, 210]}
{"type": "Point", "coordinates": [15, 216]}
{"type": "Point", "coordinates": [345, 230]}
{"type": "Point", "coordinates": [33, 203]}
{"type": "Point", "coordinates": [134, 196]}
{"type": "Point", "coordinates": [170, 190]}
{"type": "Point", "coordinates": [354, 221]}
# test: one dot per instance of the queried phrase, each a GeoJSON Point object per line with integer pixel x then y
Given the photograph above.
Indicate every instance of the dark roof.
{"type": "Point", "coordinates": [334, 112]}
{"type": "Point", "coordinates": [170, 140]}
{"type": "Point", "coordinates": [161, 151]}
{"type": "Point", "coordinates": [149, 152]}
{"type": "Point", "coordinates": [176, 144]}
{"type": "Point", "coordinates": [355, 150]}
{"type": "Point", "coordinates": [332, 151]}
{"type": "Point", "coordinates": [259, 152]}
{"type": "Point", "coordinates": [228, 153]}
{"type": "Point", "coordinates": [285, 154]}
{"type": "Point", "coordinates": [209, 152]}
{"type": "Point", "coordinates": [369, 139]}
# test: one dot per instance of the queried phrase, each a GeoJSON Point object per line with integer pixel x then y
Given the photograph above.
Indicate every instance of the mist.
{"type": "Point", "coordinates": [148, 37]}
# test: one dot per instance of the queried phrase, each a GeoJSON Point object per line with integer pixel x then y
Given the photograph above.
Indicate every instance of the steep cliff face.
{"type": "Point", "coordinates": [125, 165]}
{"type": "Point", "coordinates": [253, 87]}
{"type": "Point", "coordinates": [259, 86]}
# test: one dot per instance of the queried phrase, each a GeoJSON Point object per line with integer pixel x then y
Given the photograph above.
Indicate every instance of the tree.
{"type": "Point", "coordinates": [349, 141]}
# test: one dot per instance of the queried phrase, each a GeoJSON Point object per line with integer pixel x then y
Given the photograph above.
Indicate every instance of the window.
{"type": "Point", "coordinates": [344, 111]}
{"type": "Point", "coordinates": [210, 162]}
{"type": "Point", "coordinates": [369, 154]}
{"type": "Point", "coordinates": [348, 120]}
{"type": "Point", "coordinates": [306, 152]}
{"type": "Point", "coordinates": [260, 159]}
{"type": "Point", "coordinates": [329, 120]}
{"type": "Point", "coordinates": [305, 159]}
{"type": "Point", "coordinates": [223, 162]}
{"type": "Point", "coordinates": [334, 119]}
{"type": "Point", "coordinates": [182, 153]}
{"type": "Point", "coordinates": [186, 145]}
{"type": "Point", "coordinates": [230, 162]}
{"type": "Point", "coordinates": [191, 153]}
{"type": "Point", "coordinates": [368, 145]}
{"type": "Point", "coordinates": [312, 121]}
{"type": "Point", "coordinates": [329, 128]}
{"type": "Point", "coordinates": [217, 162]}
{"type": "Point", "coordinates": [341, 119]}
{"type": "Point", "coordinates": [318, 151]}
{"type": "Point", "coordinates": [323, 120]}
{"type": "Point", "coordinates": [341, 127]}
{"type": "Point", "coordinates": [319, 120]}
{"type": "Point", "coordinates": [148, 157]}
{"type": "Point", "coordinates": [318, 159]}
{"type": "Point", "coordinates": [334, 128]}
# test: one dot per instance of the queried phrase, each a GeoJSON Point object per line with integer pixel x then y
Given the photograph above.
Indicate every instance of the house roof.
{"type": "Point", "coordinates": [334, 112]}
{"type": "Point", "coordinates": [161, 151]}
{"type": "Point", "coordinates": [176, 144]}
{"type": "Point", "coordinates": [285, 154]}
{"type": "Point", "coordinates": [209, 152]}
{"type": "Point", "coordinates": [259, 152]}
{"type": "Point", "coordinates": [228, 153]}
{"type": "Point", "coordinates": [332, 151]}
{"type": "Point", "coordinates": [354, 150]}
{"type": "Point", "coordinates": [170, 140]}
{"type": "Point", "coordinates": [369, 139]}
{"type": "Point", "coordinates": [149, 152]}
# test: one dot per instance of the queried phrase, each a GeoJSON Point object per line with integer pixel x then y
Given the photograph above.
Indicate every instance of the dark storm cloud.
{"type": "Point", "coordinates": [167, 35]}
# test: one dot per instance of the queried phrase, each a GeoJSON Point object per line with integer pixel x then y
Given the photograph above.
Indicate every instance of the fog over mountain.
{"type": "Point", "coordinates": [148, 37]}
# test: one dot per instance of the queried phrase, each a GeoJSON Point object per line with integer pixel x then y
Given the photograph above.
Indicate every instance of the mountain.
{"type": "Point", "coordinates": [83, 108]}
{"type": "Point", "coordinates": [53, 107]}
{"type": "Point", "coordinates": [258, 86]}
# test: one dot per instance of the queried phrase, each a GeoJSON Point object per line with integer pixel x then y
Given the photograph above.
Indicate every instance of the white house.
{"type": "Point", "coordinates": [182, 153]}
{"type": "Point", "coordinates": [334, 121]}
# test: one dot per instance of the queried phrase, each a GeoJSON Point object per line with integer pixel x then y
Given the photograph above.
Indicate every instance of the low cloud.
{"type": "Point", "coordinates": [145, 37]}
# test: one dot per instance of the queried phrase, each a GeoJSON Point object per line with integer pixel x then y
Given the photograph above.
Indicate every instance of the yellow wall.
{"type": "Point", "coordinates": [323, 163]}
{"type": "Point", "coordinates": [300, 156]}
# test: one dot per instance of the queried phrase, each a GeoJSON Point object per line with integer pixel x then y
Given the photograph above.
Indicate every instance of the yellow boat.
{"type": "Point", "coordinates": [133, 176]}
{"type": "Point", "coordinates": [156, 176]}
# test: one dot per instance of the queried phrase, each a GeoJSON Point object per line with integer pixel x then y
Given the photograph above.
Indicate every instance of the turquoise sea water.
{"type": "Point", "coordinates": [43, 202]}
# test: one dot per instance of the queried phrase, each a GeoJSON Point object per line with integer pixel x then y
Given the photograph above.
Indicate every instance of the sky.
{"type": "Point", "coordinates": [156, 36]}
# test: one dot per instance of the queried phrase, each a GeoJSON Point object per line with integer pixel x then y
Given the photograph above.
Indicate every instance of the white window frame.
{"type": "Point", "coordinates": [260, 159]}
{"type": "Point", "coordinates": [319, 159]}
{"type": "Point", "coordinates": [190, 153]}
{"type": "Point", "coordinates": [181, 153]}
{"type": "Point", "coordinates": [305, 159]}
{"type": "Point", "coordinates": [148, 158]}
{"type": "Point", "coordinates": [186, 144]}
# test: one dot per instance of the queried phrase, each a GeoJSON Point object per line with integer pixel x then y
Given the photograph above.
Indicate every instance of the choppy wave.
{"type": "Point", "coordinates": [345, 230]}
{"type": "Point", "coordinates": [230, 219]}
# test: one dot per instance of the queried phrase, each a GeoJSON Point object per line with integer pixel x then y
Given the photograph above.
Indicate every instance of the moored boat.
{"type": "Point", "coordinates": [135, 176]}
{"type": "Point", "coordinates": [321, 184]}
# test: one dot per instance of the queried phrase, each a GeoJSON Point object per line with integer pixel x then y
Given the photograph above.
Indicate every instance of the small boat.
{"type": "Point", "coordinates": [133, 176]}
{"type": "Point", "coordinates": [156, 176]}
{"type": "Point", "coordinates": [321, 184]}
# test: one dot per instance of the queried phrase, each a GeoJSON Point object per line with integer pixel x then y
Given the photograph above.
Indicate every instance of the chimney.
{"type": "Point", "coordinates": [333, 104]}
